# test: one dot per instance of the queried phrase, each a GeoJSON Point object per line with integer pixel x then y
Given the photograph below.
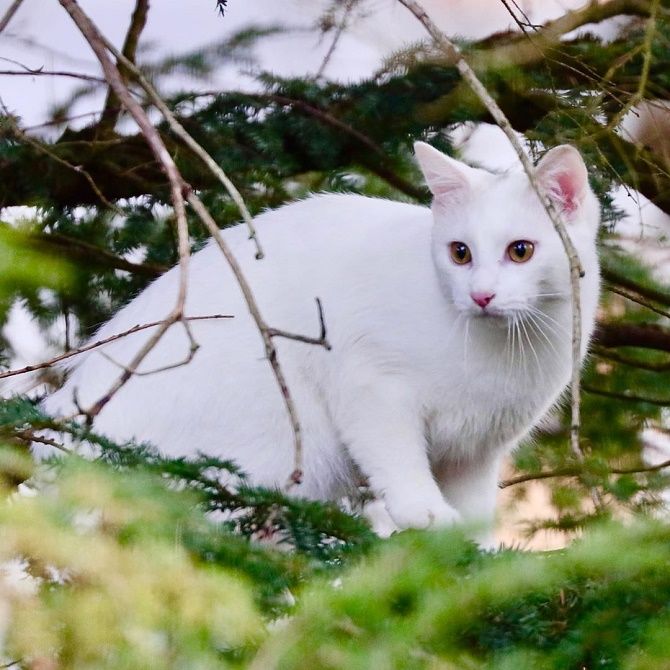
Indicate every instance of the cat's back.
{"type": "Point", "coordinates": [337, 247]}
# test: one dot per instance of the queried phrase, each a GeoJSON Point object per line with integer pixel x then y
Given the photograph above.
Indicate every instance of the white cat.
{"type": "Point", "coordinates": [450, 335]}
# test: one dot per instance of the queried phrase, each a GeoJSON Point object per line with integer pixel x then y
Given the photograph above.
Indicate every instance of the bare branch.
{"type": "Point", "coordinates": [197, 149]}
{"type": "Point", "coordinates": [614, 277]}
{"type": "Point", "coordinates": [661, 366]}
{"type": "Point", "coordinates": [627, 396]}
{"type": "Point", "coordinates": [577, 472]}
{"type": "Point", "coordinates": [263, 328]}
{"type": "Point", "coordinates": [634, 297]}
{"type": "Point", "coordinates": [111, 109]}
{"type": "Point", "coordinates": [348, 6]}
{"type": "Point", "coordinates": [321, 341]}
{"type": "Point", "coordinates": [177, 187]}
{"type": "Point", "coordinates": [51, 73]}
{"type": "Point", "coordinates": [576, 271]}
{"type": "Point", "coordinates": [100, 343]}
{"type": "Point", "coordinates": [9, 14]}
{"type": "Point", "coordinates": [649, 336]}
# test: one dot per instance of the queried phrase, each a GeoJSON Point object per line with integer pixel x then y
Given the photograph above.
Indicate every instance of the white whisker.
{"type": "Point", "coordinates": [548, 319]}
{"type": "Point", "coordinates": [540, 369]}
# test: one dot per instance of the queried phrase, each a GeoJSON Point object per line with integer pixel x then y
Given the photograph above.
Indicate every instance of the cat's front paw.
{"type": "Point", "coordinates": [418, 513]}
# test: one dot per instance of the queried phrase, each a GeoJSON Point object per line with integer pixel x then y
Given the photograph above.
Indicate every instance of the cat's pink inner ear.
{"type": "Point", "coordinates": [564, 178]}
{"type": "Point", "coordinates": [445, 179]}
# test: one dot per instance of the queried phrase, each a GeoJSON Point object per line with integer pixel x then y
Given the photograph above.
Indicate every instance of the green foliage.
{"type": "Point", "coordinates": [431, 600]}
{"type": "Point", "coordinates": [137, 560]}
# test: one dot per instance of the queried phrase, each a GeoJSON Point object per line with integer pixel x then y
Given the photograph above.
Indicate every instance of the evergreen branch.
{"type": "Point", "coordinates": [649, 336]}
{"type": "Point", "coordinates": [177, 188]}
{"type": "Point", "coordinates": [23, 137]}
{"type": "Point", "coordinates": [87, 252]}
{"type": "Point", "coordinates": [327, 118]}
{"type": "Point", "coordinates": [13, 8]}
{"type": "Point", "coordinates": [627, 396]}
{"type": "Point", "coordinates": [662, 366]}
{"type": "Point", "coordinates": [577, 472]}
{"type": "Point", "coordinates": [100, 343]}
{"type": "Point", "coordinates": [612, 276]}
{"type": "Point", "coordinates": [576, 271]}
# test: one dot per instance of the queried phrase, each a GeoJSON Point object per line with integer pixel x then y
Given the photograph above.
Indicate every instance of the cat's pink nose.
{"type": "Point", "coordinates": [482, 299]}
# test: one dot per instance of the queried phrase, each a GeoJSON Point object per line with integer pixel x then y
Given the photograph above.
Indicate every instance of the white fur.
{"type": "Point", "coordinates": [422, 392]}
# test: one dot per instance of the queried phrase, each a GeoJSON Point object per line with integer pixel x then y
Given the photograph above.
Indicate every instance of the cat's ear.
{"type": "Point", "coordinates": [562, 176]}
{"type": "Point", "coordinates": [446, 178]}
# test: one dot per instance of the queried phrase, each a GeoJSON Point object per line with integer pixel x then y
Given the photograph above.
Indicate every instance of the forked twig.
{"type": "Point", "coordinates": [266, 332]}
{"type": "Point", "coordinates": [99, 343]}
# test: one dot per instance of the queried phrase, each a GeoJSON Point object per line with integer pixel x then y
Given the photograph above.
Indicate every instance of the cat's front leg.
{"type": "Point", "coordinates": [383, 432]}
{"type": "Point", "coordinates": [472, 488]}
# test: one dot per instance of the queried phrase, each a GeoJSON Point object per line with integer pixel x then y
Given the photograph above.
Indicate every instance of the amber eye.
{"type": "Point", "coordinates": [520, 251]}
{"type": "Point", "coordinates": [460, 253]}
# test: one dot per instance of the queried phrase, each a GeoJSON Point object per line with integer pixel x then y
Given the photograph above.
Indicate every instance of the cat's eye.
{"type": "Point", "coordinates": [520, 251]}
{"type": "Point", "coordinates": [460, 253]}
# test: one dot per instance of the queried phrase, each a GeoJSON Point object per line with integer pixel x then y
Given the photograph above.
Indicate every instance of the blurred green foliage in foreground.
{"type": "Point", "coordinates": [128, 571]}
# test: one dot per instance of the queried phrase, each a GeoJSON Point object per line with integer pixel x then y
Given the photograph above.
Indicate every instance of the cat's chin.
{"type": "Point", "coordinates": [494, 317]}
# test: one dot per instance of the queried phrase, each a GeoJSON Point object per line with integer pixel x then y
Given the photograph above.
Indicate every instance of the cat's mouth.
{"type": "Point", "coordinates": [495, 318]}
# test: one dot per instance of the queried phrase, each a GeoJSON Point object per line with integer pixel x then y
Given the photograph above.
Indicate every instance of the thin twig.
{"type": "Point", "coordinates": [177, 188]}
{"type": "Point", "coordinates": [577, 472]}
{"type": "Point", "coordinates": [321, 340]}
{"type": "Point", "coordinates": [51, 73]}
{"type": "Point", "coordinates": [9, 14]}
{"type": "Point", "coordinates": [636, 298]}
{"type": "Point", "coordinates": [348, 6]}
{"type": "Point", "coordinates": [263, 328]}
{"type": "Point", "coordinates": [197, 149]}
{"type": "Point", "coordinates": [99, 343]}
{"type": "Point", "coordinates": [660, 366]}
{"type": "Point", "coordinates": [627, 397]}
{"type": "Point", "coordinates": [92, 254]}
{"type": "Point", "coordinates": [31, 436]}
{"type": "Point", "coordinates": [612, 276]}
{"type": "Point", "coordinates": [190, 355]}
{"type": "Point", "coordinates": [111, 108]}
{"type": "Point", "coordinates": [576, 271]}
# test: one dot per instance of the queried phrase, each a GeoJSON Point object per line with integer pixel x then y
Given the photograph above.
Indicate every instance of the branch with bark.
{"type": "Point", "coordinates": [180, 189]}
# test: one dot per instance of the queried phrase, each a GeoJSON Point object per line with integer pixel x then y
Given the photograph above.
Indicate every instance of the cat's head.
{"type": "Point", "coordinates": [496, 251]}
